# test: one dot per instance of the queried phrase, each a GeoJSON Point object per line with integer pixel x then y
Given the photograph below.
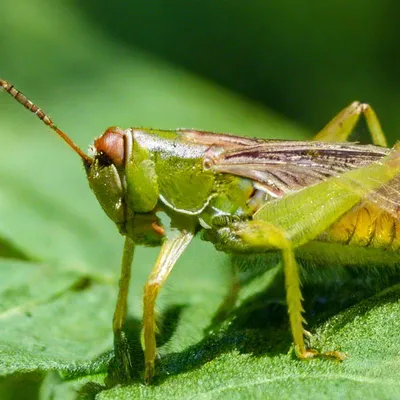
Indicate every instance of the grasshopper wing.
{"type": "Point", "coordinates": [282, 167]}
{"type": "Point", "coordinates": [387, 197]}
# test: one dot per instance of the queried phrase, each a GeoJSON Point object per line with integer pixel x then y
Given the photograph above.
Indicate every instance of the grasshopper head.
{"type": "Point", "coordinates": [106, 174]}
{"type": "Point", "coordinates": [108, 178]}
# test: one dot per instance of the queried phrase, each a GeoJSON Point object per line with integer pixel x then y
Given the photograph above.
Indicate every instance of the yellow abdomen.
{"type": "Point", "coordinates": [366, 226]}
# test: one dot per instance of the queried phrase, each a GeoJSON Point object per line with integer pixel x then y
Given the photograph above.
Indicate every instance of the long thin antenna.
{"type": "Point", "coordinates": [21, 98]}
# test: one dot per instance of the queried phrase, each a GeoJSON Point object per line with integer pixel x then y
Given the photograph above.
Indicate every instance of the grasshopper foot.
{"type": "Point", "coordinates": [122, 357]}
{"type": "Point", "coordinates": [148, 372]}
{"type": "Point", "coordinates": [307, 354]}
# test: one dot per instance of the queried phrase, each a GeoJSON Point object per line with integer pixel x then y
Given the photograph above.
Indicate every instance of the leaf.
{"type": "Point", "coordinates": [8, 250]}
{"type": "Point", "coordinates": [56, 307]}
{"type": "Point", "coordinates": [84, 388]}
{"type": "Point", "coordinates": [251, 363]}
{"type": "Point", "coordinates": [50, 318]}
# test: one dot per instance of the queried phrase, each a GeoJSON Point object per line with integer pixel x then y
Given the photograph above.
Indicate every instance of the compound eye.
{"type": "Point", "coordinates": [111, 145]}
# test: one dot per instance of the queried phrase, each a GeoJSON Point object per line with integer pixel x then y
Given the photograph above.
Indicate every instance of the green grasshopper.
{"type": "Point", "coordinates": [323, 198]}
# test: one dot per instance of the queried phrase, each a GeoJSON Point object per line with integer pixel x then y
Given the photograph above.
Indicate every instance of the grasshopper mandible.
{"type": "Point", "coordinates": [162, 187]}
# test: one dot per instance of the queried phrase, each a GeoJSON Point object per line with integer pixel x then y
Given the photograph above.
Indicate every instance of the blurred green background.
{"type": "Point", "coordinates": [304, 60]}
{"type": "Point", "coordinates": [277, 69]}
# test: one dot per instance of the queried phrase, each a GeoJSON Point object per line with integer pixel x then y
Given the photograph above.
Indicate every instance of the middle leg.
{"type": "Point", "coordinates": [170, 251]}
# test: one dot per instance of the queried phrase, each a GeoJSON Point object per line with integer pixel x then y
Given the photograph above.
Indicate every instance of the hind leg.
{"type": "Point", "coordinates": [341, 126]}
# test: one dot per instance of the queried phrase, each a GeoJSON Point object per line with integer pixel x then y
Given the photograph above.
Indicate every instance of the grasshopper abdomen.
{"type": "Point", "coordinates": [366, 226]}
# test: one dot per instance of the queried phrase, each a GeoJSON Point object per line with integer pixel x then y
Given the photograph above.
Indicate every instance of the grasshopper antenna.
{"type": "Point", "coordinates": [21, 98]}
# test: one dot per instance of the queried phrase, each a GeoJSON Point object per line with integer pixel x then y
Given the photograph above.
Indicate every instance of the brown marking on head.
{"type": "Point", "coordinates": [111, 143]}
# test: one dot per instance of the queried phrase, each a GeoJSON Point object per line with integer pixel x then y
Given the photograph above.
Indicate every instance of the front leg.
{"type": "Point", "coordinates": [122, 352]}
{"type": "Point", "coordinates": [170, 251]}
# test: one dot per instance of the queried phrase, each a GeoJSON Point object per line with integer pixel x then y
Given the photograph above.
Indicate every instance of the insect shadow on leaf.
{"type": "Point", "coordinates": [167, 323]}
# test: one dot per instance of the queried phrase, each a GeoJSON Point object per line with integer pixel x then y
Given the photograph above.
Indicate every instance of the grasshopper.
{"type": "Point", "coordinates": [163, 187]}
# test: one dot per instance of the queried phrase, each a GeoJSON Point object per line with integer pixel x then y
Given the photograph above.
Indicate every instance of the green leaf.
{"type": "Point", "coordinates": [249, 362]}
{"type": "Point", "coordinates": [56, 307]}
{"type": "Point", "coordinates": [51, 318]}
